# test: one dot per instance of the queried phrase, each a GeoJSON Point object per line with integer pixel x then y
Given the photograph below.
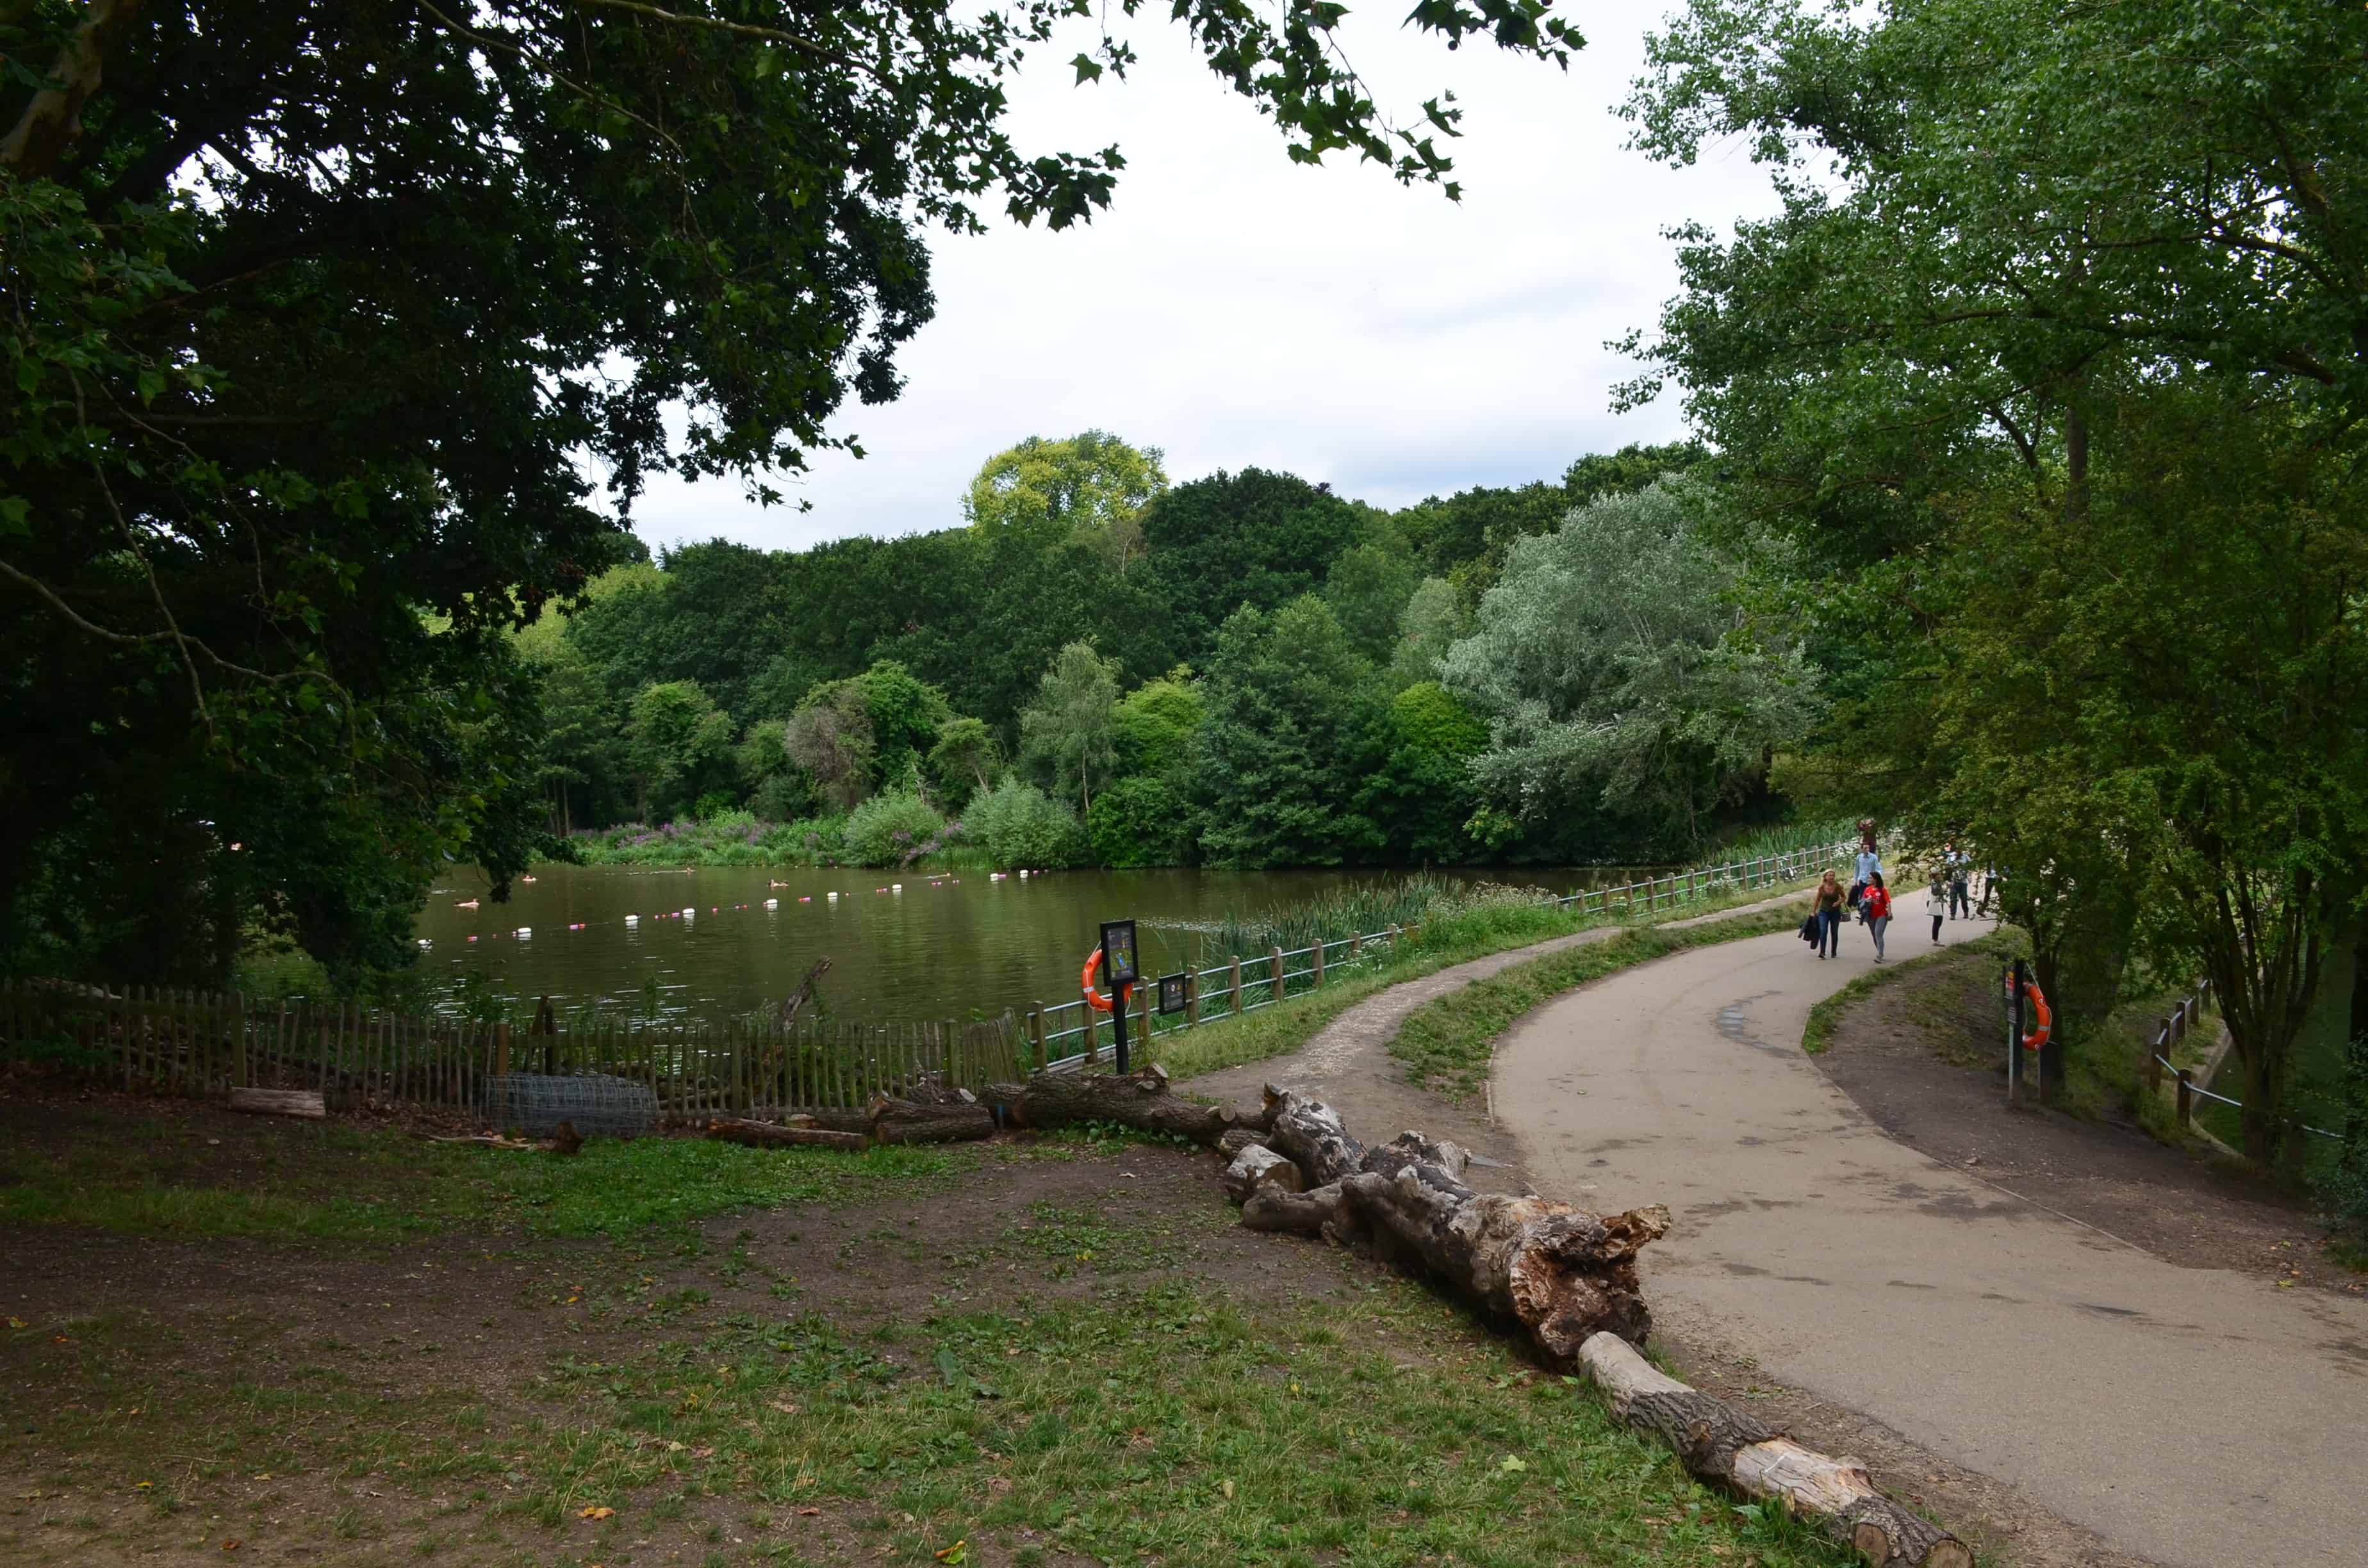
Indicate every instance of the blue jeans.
{"type": "Point", "coordinates": [1830, 932]}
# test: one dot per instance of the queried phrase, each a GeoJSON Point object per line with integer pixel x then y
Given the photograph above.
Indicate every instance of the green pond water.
{"type": "Point", "coordinates": [943, 947]}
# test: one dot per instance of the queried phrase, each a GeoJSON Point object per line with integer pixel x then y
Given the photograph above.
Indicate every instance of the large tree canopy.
{"type": "Point", "coordinates": [315, 316]}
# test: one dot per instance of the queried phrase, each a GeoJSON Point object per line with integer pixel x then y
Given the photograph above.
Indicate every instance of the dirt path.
{"type": "Point", "coordinates": [2192, 1415]}
{"type": "Point", "coordinates": [1348, 1061]}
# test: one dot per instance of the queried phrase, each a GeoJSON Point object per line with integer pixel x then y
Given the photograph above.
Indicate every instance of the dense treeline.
{"type": "Point", "coordinates": [1242, 669]}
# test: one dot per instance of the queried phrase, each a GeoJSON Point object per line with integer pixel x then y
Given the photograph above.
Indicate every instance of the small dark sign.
{"type": "Point", "coordinates": [1118, 954]}
{"type": "Point", "coordinates": [1171, 993]}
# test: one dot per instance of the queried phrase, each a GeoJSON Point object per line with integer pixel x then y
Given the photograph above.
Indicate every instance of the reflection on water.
{"type": "Point", "coordinates": [703, 943]}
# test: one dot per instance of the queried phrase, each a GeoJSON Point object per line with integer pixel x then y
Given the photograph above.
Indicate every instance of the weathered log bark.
{"type": "Point", "coordinates": [1561, 1272]}
{"type": "Point", "coordinates": [279, 1102]}
{"type": "Point", "coordinates": [764, 1135]}
{"type": "Point", "coordinates": [1259, 1167]}
{"type": "Point", "coordinates": [1310, 1133]}
{"type": "Point", "coordinates": [1323, 1213]}
{"type": "Point", "coordinates": [1236, 1139]}
{"type": "Point", "coordinates": [1729, 1447]}
{"type": "Point", "coordinates": [1139, 1100]}
{"type": "Point", "coordinates": [914, 1121]}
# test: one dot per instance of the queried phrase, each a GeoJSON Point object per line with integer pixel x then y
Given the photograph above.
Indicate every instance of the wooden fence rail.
{"type": "Point", "coordinates": [151, 1040]}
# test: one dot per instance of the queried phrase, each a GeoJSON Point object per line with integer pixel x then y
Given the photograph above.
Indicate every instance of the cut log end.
{"type": "Point", "coordinates": [1258, 1168]}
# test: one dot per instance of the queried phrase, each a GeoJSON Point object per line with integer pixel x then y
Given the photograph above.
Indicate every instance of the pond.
{"type": "Point", "coordinates": [702, 943]}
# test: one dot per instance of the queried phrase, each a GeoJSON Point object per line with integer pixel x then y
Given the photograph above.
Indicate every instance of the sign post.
{"type": "Point", "coordinates": [1119, 973]}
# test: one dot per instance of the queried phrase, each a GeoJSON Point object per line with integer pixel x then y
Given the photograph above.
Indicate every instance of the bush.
{"type": "Point", "coordinates": [1017, 824]}
{"type": "Point", "coordinates": [886, 829]}
{"type": "Point", "coordinates": [1138, 822]}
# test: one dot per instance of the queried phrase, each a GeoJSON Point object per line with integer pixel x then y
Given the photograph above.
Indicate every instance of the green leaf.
{"type": "Point", "coordinates": [1086, 70]}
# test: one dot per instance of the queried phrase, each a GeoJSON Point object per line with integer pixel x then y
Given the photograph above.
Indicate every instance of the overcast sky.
{"type": "Point", "coordinates": [1234, 309]}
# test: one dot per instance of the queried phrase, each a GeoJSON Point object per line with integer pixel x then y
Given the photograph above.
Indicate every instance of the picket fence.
{"type": "Point", "coordinates": [144, 1039]}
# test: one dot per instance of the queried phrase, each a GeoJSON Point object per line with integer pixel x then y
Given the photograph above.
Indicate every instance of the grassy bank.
{"type": "Point", "coordinates": [1999, 946]}
{"type": "Point", "coordinates": [1446, 1045]}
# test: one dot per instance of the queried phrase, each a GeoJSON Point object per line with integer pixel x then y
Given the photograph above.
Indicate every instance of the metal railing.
{"type": "Point", "coordinates": [1067, 1035]}
{"type": "Point", "coordinates": [2166, 1039]}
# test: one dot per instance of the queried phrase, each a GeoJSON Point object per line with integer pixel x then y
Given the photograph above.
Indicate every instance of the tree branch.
{"type": "Point", "coordinates": [53, 118]}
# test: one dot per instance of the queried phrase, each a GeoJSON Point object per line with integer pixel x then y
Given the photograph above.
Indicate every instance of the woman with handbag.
{"type": "Point", "coordinates": [1828, 913]}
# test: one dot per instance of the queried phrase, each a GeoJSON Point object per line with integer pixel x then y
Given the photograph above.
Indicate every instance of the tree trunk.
{"type": "Point", "coordinates": [279, 1102]}
{"type": "Point", "coordinates": [1559, 1271]}
{"type": "Point", "coordinates": [1732, 1448]}
{"type": "Point", "coordinates": [1141, 1100]}
{"type": "Point", "coordinates": [52, 118]}
{"type": "Point", "coordinates": [1259, 1167]}
{"type": "Point", "coordinates": [929, 1121]}
{"type": "Point", "coordinates": [764, 1135]}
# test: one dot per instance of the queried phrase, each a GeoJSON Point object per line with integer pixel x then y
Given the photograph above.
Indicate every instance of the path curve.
{"type": "Point", "coordinates": [2195, 1417]}
{"type": "Point", "coordinates": [1348, 1060]}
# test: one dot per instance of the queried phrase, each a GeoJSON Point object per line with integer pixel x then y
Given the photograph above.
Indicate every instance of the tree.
{"type": "Point", "coordinates": [1294, 728]}
{"type": "Point", "coordinates": [1155, 723]}
{"type": "Point", "coordinates": [1424, 794]}
{"type": "Point", "coordinates": [830, 737]}
{"type": "Point", "coordinates": [1368, 586]}
{"type": "Point", "coordinates": [1090, 488]}
{"type": "Point", "coordinates": [1139, 822]}
{"type": "Point", "coordinates": [1616, 673]}
{"type": "Point", "coordinates": [312, 312]}
{"type": "Point", "coordinates": [678, 743]}
{"type": "Point", "coordinates": [964, 761]}
{"type": "Point", "coordinates": [1428, 626]}
{"type": "Point", "coordinates": [1231, 540]}
{"type": "Point", "coordinates": [1070, 728]}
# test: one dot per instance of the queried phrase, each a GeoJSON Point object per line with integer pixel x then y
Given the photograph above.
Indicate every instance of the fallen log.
{"type": "Point", "coordinates": [279, 1102]}
{"type": "Point", "coordinates": [948, 1120]}
{"type": "Point", "coordinates": [1259, 1167]}
{"type": "Point", "coordinates": [1731, 1448]}
{"type": "Point", "coordinates": [765, 1135]}
{"type": "Point", "coordinates": [1141, 1100]}
{"type": "Point", "coordinates": [796, 999]}
{"type": "Point", "coordinates": [1561, 1272]}
{"type": "Point", "coordinates": [1237, 1139]}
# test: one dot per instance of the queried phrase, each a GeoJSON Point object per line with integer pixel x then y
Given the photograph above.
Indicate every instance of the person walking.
{"type": "Point", "coordinates": [1877, 910]}
{"type": "Point", "coordinates": [1936, 899]}
{"type": "Point", "coordinates": [1829, 911]}
{"type": "Point", "coordinates": [1869, 864]}
{"type": "Point", "coordinates": [1960, 870]}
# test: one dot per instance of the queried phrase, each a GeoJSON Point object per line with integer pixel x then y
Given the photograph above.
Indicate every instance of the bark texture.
{"type": "Point", "coordinates": [1732, 1448]}
{"type": "Point", "coordinates": [1256, 1169]}
{"type": "Point", "coordinates": [765, 1135]}
{"type": "Point", "coordinates": [1561, 1272]}
{"type": "Point", "coordinates": [932, 1120]}
{"type": "Point", "coordinates": [279, 1102]}
{"type": "Point", "coordinates": [1141, 1100]}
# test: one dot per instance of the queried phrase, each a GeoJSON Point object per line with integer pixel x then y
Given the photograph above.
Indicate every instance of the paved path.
{"type": "Point", "coordinates": [2193, 1416]}
{"type": "Point", "coordinates": [1348, 1060]}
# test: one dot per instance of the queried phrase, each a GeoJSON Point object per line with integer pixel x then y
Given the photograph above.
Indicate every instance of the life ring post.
{"type": "Point", "coordinates": [1120, 970]}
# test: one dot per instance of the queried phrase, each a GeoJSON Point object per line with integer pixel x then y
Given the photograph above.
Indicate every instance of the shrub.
{"type": "Point", "coordinates": [1138, 822]}
{"type": "Point", "coordinates": [884, 829]}
{"type": "Point", "coordinates": [1017, 824]}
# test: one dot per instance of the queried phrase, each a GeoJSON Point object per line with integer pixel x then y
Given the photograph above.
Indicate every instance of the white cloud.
{"type": "Point", "coordinates": [1235, 309]}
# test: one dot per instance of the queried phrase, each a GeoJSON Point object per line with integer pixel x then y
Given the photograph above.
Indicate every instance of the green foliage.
{"type": "Point", "coordinates": [1429, 625]}
{"type": "Point", "coordinates": [1090, 488]}
{"type": "Point", "coordinates": [1250, 539]}
{"type": "Point", "coordinates": [1616, 671]}
{"type": "Point", "coordinates": [1155, 723]}
{"type": "Point", "coordinates": [1296, 725]}
{"type": "Point", "coordinates": [1424, 792]}
{"type": "Point", "coordinates": [1139, 822]}
{"type": "Point", "coordinates": [677, 742]}
{"type": "Point", "coordinates": [1020, 828]}
{"type": "Point", "coordinates": [1368, 586]}
{"type": "Point", "coordinates": [1069, 732]}
{"type": "Point", "coordinates": [890, 829]}
{"type": "Point", "coordinates": [964, 761]}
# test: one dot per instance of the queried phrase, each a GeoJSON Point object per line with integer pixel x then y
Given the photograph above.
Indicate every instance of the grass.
{"type": "Point", "coordinates": [343, 1185]}
{"type": "Point", "coordinates": [1160, 1417]}
{"type": "Point", "coordinates": [1825, 1014]}
{"type": "Point", "coordinates": [1446, 1044]}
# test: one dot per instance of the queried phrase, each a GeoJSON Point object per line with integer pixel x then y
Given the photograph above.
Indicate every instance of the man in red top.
{"type": "Point", "coordinates": [1877, 908]}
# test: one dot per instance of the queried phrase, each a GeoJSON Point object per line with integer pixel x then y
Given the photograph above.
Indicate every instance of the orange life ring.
{"type": "Point", "coordinates": [1095, 999]}
{"type": "Point", "coordinates": [2038, 1037]}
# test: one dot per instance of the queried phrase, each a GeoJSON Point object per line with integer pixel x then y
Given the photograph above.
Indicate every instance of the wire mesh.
{"type": "Point", "coordinates": [599, 1105]}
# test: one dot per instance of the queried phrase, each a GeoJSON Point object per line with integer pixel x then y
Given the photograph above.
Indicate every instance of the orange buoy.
{"type": "Point", "coordinates": [1095, 999]}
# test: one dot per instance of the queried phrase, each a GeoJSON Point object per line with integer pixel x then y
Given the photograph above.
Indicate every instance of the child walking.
{"type": "Point", "coordinates": [1877, 908]}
